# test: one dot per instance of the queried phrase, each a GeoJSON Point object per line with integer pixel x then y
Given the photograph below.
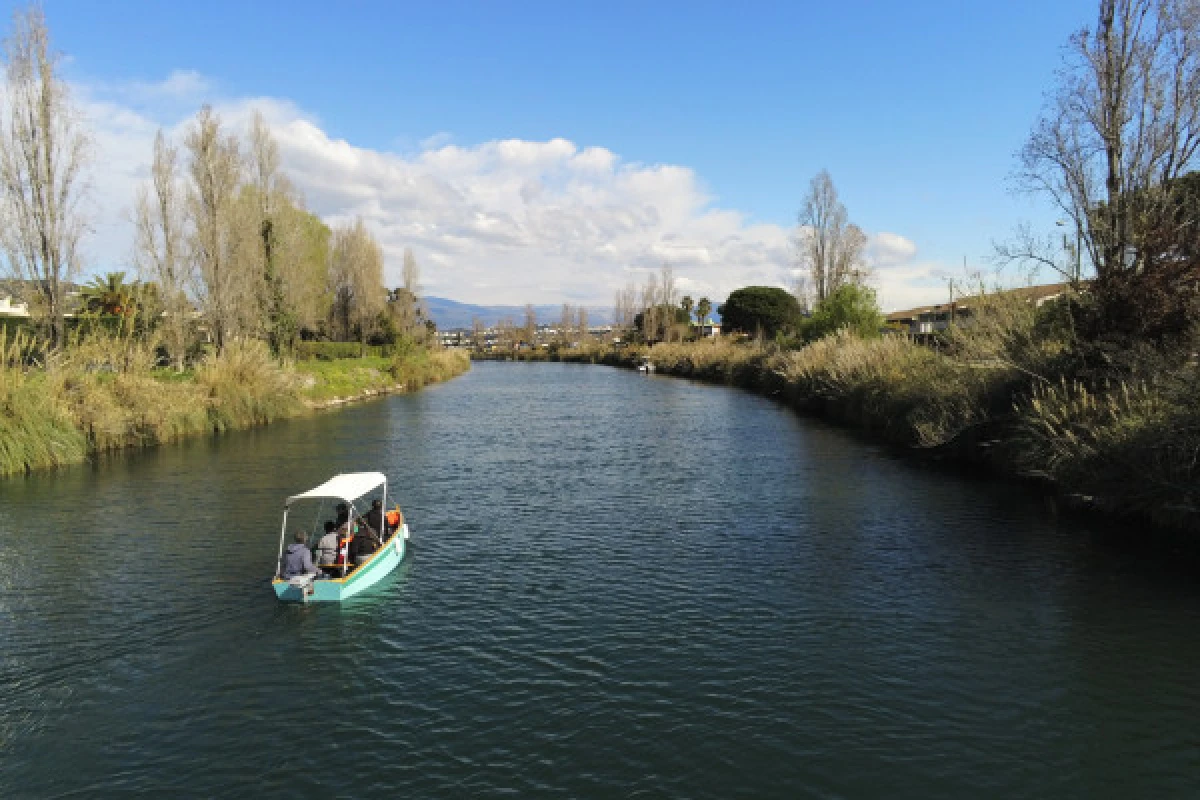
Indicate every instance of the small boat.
{"type": "Point", "coordinates": [345, 579]}
{"type": "Point", "coordinates": [646, 366]}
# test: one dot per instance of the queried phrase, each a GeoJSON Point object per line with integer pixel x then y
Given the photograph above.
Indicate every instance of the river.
{"type": "Point", "coordinates": [618, 586]}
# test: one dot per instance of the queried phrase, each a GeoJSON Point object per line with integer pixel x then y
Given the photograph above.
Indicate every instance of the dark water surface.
{"type": "Point", "coordinates": [619, 586]}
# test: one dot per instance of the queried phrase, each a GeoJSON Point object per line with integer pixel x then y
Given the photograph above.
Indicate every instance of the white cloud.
{"type": "Point", "coordinates": [887, 249]}
{"type": "Point", "coordinates": [509, 221]}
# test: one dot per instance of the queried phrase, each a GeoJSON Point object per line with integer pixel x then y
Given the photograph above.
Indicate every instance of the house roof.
{"type": "Point", "coordinates": [1032, 294]}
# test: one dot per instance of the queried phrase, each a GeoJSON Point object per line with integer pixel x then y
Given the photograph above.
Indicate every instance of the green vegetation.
{"type": "Point", "coordinates": [325, 380]}
{"type": "Point", "coordinates": [104, 393]}
{"type": "Point", "coordinates": [237, 278]}
{"type": "Point", "coordinates": [1018, 389]}
{"type": "Point", "coordinates": [852, 307]}
{"type": "Point", "coordinates": [765, 310]}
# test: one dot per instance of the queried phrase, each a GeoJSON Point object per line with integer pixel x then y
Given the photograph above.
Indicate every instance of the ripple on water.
{"type": "Point", "coordinates": [617, 587]}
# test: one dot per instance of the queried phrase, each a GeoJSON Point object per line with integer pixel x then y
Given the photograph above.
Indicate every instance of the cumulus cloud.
{"type": "Point", "coordinates": [888, 249]}
{"type": "Point", "coordinates": [508, 221]}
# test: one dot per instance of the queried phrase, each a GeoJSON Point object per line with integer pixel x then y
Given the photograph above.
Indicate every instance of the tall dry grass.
{"type": "Point", "coordinates": [246, 386]}
{"type": "Point", "coordinates": [102, 392]}
{"type": "Point", "coordinates": [1135, 447]}
{"type": "Point", "coordinates": [913, 394]}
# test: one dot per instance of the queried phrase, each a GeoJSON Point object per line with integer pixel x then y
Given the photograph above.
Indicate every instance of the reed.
{"type": "Point", "coordinates": [1131, 446]}
{"type": "Point", "coordinates": [246, 387]}
{"type": "Point", "coordinates": [103, 392]}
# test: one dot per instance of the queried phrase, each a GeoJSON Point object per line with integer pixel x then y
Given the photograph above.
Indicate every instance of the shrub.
{"type": "Point", "coordinates": [765, 309]}
{"type": "Point", "coordinates": [331, 351]}
{"type": "Point", "coordinates": [247, 387]}
{"type": "Point", "coordinates": [851, 307]}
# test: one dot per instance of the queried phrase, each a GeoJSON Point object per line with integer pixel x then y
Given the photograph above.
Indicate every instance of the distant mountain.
{"type": "Point", "coordinates": [449, 314]}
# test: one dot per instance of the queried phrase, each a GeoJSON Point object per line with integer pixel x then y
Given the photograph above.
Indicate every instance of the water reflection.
{"type": "Point", "coordinates": [617, 584]}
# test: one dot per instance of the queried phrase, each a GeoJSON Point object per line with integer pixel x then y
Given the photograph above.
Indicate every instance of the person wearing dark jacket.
{"type": "Point", "coordinates": [366, 540]}
{"type": "Point", "coordinates": [298, 558]}
{"type": "Point", "coordinates": [374, 517]}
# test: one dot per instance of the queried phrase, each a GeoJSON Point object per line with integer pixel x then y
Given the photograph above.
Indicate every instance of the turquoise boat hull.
{"type": "Point", "coordinates": [364, 577]}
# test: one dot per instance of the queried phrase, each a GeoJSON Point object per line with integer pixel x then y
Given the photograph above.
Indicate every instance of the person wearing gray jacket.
{"type": "Point", "coordinates": [298, 558]}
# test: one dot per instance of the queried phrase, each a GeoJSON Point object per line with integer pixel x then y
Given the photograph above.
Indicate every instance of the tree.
{"type": "Point", "coordinates": [271, 195]}
{"type": "Point", "coordinates": [703, 309]}
{"type": "Point", "coordinates": [687, 304]}
{"type": "Point", "coordinates": [356, 276]}
{"type": "Point", "coordinates": [478, 337]}
{"type": "Point", "coordinates": [654, 323]}
{"type": "Point", "coordinates": [159, 246]}
{"type": "Point", "coordinates": [851, 307]}
{"type": "Point", "coordinates": [110, 296]}
{"type": "Point", "coordinates": [828, 246]}
{"type": "Point", "coordinates": [625, 307]}
{"type": "Point", "coordinates": [566, 324]}
{"type": "Point", "coordinates": [760, 309]}
{"type": "Point", "coordinates": [529, 334]}
{"type": "Point", "coordinates": [44, 152]}
{"type": "Point", "coordinates": [226, 294]}
{"type": "Point", "coordinates": [1120, 131]}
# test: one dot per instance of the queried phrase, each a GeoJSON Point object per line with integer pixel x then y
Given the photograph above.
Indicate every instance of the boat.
{"type": "Point", "coordinates": [344, 580]}
{"type": "Point", "coordinates": [646, 366]}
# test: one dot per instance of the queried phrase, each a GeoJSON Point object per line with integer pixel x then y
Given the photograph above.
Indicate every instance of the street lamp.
{"type": "Point", "coordinates": [1067, 246]}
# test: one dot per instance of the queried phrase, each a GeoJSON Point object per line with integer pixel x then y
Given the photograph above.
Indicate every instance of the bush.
{"type": "Point", "coordinates": [760, 309]}
{"type": "Point", "coordinates": [851, 307]}
{"type": "Point", "coordinates": [247, 386]}
{"type": "Point", "coordinates": [331, 351]}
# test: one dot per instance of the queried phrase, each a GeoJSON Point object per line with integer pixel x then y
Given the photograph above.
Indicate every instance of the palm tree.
{"type": "Point", "coordinates": [687, 304]}
{"type": "Point", "coordinates": [110, 295]}
{"type": "Point", "coordinates": [702, 310]}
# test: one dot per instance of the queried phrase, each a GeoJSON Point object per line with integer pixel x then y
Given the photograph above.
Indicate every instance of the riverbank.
{"type": "Point", "coordinates": [106, 395]}
{"type": "Point", "coordinates": [1123, 447]}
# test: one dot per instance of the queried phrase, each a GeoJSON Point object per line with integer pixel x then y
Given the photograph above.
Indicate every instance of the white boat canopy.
{"type": "Point", "coordinates": [348, 487]}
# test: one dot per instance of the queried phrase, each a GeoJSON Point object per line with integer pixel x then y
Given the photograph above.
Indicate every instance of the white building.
{"type": "Point", "coordinates": [11, 308]}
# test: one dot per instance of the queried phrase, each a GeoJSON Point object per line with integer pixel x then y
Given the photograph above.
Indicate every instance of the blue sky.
{"type": "Point", "coordinates": [916, 109]}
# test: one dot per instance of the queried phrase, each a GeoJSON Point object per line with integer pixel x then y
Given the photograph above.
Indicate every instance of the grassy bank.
{"type": "Point", "coordinates": [1005, 394]}
{"type": "Point", "coordinates": [105, 394]}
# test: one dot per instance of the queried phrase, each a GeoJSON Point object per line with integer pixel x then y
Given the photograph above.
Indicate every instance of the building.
{"type": "Point", "coordinates": [11, 308]}
{"type": "Point", "coordinates": [925, 321]}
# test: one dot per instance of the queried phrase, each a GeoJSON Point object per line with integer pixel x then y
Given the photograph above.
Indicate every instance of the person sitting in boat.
{"type": "Point", "coordinates": [298, 558]}
{"type": "Point", "coordinates": [366, 541]}
{"type": "Point", "coordinates": [374, 517]}
{"type": "Point", "coordinates": [327, 548]}
{"type": "Point", "coordinates": [343, 517]}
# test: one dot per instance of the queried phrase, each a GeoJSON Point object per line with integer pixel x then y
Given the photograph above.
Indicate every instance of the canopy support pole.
{"type": "Point", "coordinates": [282, 536]}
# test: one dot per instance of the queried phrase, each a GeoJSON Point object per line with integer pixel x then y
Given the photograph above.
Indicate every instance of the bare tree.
{"type": "Point", "coordinates": [625, 307]}
{"type": "Point", "coordinates": [582, 315]}
{"type": "Point", "coordinates": [828, 246]}
{"type": "Point", "coordinates": [530, 332]}
{"type": "Point", "coordinates": [159, 230]}
{"type": "Point", "coordinates": [272, 197]}
{"type": "Point", "coordinates": [44, 152]}
{"type": "Point", "coordinates": [650, 308]}
{"type": "Point", "coordinates": [356, 275]}
{"type": "Point", "coordinates": [566, 323]}
{"type": "Point", "coordinates": [406, 303]}
{"type": "Point", "coordinates": [215, 172]}
{"type": "Point", "coordinates": [478, 333]}
{"type": "Point", "coordinates": [1123, 125]}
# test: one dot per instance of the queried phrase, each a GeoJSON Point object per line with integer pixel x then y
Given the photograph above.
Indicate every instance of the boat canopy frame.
{"type": "Point", "coordinates": [347, 487]}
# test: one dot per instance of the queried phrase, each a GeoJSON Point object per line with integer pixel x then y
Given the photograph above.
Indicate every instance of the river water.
{"type": "Point", "coordinates": [618, 586]}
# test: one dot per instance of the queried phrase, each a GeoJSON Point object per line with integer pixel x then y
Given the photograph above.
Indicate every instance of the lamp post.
{"type": "Point", "coordinates": [1067, 246]}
